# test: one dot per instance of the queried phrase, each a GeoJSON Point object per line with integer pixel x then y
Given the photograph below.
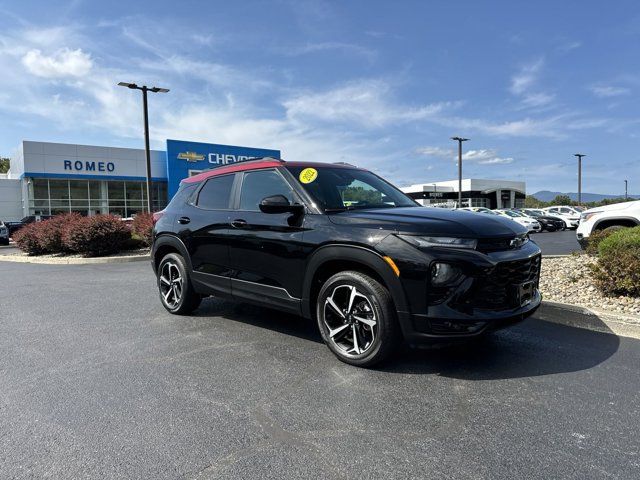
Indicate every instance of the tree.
{"type": "Point", "coordinates": [4, 165]}
{"type": "Point", "coordinates": [532, 202]}
{"type": "Point", "coordinates": [562, 200]}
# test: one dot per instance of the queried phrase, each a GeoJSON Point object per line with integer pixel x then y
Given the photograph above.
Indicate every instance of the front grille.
{"type": "Point", "coordinates": [487, 245]}
{"type": "Point", "coordinates": [497, 290]}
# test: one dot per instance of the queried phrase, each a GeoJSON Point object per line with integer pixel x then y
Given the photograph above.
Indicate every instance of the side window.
{"type": "Point", "coordinates": [215, 194]}
{"type": "Point", "coordinates": [565, 210]}
{"type": "Point", "coordinates": [260, 184]}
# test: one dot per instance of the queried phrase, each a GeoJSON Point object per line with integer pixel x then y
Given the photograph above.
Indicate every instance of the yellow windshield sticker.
{"type": "Point", "coordinates": [308, 175]}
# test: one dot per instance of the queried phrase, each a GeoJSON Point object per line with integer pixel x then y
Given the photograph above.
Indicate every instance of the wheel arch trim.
{"type": "Point", "coordinates": [357, 254]}
{"type": "Point", "coordinates": [173, 241]}
{"type": "Point", "coordinates": [614, 219]}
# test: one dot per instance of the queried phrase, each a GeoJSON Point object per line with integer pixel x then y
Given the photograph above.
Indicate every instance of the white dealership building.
{"type": "Point", "coordinates": [475, 193]}
{"type": "Point", "coordinates": [49, 178]}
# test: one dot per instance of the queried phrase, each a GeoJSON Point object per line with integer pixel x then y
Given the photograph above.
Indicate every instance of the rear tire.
{"type": "Point", "coordinates": [174, 286]}
{"type": "Point", "coordinates": [357, 319]}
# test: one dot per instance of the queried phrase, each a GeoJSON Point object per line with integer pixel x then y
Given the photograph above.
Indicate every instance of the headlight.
{"type": "Point", "coordinates": [586, 216]}
{"type": "Point", "coordinates": [443, 273]}
{"type": "Point", "coordinates": [451, 242]}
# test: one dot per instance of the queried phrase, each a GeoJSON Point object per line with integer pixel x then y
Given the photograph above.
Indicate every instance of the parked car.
{"type": "Point", "coordinates": [610, 217]}
{"type": "Point", "coordinates": [570, 215]}
{"type": "Point", "coordinates": [4, 234]}
{"type": "Point", "coordinates": [15, 226]}
{"type": "Point", "coordinates": [479, 210]}
{"type": "Point", "coordinates": [339, 244]}
{"type": "Point", "coordinates": [549, 223]}
{"type": "Point", "coordinates": [531, 224]}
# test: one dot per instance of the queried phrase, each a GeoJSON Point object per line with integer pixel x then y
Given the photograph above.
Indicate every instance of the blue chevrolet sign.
{"type": "Point", "coordinates": [188, 158]}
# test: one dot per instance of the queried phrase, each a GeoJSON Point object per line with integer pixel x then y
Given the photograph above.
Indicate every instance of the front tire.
{"type": "Point", "coordinates": [176, 292]}
{"type": "Point", "coordinates": [357, 319]}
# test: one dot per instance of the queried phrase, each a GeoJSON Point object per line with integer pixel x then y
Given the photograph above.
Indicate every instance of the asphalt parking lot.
{"type": "Point", "coordinates": [557, 243]}
{"type": "Point", "coordinates": [96, 380]}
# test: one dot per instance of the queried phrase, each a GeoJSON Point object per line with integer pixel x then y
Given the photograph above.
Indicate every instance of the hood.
{"type": "Point", "coordinates": [431, 221]}
{"type": "Point", "coordinates": [548, 218]}
{"type": "Point", "coordinates": [615, 206]}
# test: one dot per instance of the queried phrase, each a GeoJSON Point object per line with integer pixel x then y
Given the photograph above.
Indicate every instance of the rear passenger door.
{"type": "Point", "coordinates": [207, 220]}
{"type": "Point", "coordinates": [265, 249]}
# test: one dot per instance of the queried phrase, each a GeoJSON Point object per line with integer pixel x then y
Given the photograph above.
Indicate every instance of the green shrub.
{"type": "Point", "coordinates": [594, 240]}
{"type": "Point", "coordinates": [97, 236]}
{"type": "Point", "coordinates": [618, 269]}
{"type": "Point", "coordinates": [142, 227]}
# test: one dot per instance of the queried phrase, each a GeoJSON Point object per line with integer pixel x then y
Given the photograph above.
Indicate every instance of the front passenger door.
{"type": "Point", "coordinates": [265, 249]}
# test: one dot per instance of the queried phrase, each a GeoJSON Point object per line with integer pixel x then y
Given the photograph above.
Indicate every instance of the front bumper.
{"type": "Point", "coordinates": [487, 297]}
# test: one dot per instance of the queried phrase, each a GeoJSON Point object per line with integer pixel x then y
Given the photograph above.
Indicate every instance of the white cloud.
{"type": "Point", "coordinates": [483, 156]}
{"type": "Point", "coordinates": [349, 48]}
{"type": "Point", "coordinates": [435, 152]}
{"type": "Point", "coordinates": [365, 103]}
{"type": "Point", "coordinates": [606, 91]}
{"type": "Point", "coordinates": [524, 82]}
{"type": "Point", "coordinates": [63, 63]}
{"type": "Point", "coordinates": [526, 77]}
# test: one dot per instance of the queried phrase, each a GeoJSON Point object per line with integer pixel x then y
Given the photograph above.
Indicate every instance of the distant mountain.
{"type": "Point", "coordinates": [547, 196]}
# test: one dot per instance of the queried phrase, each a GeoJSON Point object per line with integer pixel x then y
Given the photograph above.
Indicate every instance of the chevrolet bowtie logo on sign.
{"type": "Point", "coordinates": [190, 156]}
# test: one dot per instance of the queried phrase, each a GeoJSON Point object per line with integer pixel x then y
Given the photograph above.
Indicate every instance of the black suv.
{"type": "Point", "coordinates": [339, 244]}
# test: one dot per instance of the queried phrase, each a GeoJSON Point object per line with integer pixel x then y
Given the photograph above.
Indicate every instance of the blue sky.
{"type": "Point", "coordinates": [380, 84]}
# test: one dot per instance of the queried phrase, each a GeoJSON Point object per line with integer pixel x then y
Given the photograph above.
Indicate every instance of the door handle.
{"type": "Point", "coordinates": [239, 223]}
{"type": "Point", "coordinates": [184, 220]}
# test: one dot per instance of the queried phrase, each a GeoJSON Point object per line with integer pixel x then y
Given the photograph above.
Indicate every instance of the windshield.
{"type": "Point", "coordinates": [338, 189]}
{"type": "Point", "coordinates": [509, 213]}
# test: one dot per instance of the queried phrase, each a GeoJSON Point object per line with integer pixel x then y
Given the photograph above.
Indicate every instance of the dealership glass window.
{"type": "Point", "coordinates": [40, 188]}
{"type": "Point", "coordinates": [91, 197]}
{"type": "Point", "coordinates": [116, 191]}
{"type": "Point", "coordinates": [79, 190]}
{"type": "Point", "coordinates": [59, 189]}
{"type": "Point", "coordinates": [133, 191]}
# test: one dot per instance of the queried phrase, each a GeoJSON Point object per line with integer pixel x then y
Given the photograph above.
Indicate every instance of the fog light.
{"type": "Point", "coordinates": [443, 273]}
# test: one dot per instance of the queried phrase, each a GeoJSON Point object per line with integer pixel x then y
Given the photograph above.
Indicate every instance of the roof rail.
{"type": "Point", "coordinates": [344, 163]}
{"type": "Point", "coordinates": [253, 159]}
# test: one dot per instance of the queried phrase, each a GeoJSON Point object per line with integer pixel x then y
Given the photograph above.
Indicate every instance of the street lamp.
{"type": "Point", "coordinates": [147, 152]}
{"type": "Point", "coordinates": [579, 155]}
{"type": "Point", "coordinates": [626, 195]}
{"type": "Point", "coordinates": [459, 140]}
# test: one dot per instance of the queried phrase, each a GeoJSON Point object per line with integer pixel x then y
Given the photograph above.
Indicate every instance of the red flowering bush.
{"type": "Point", "coordinates": [143, 227]}
{"type": "Point", "coordinates": [54, 231]}
{"type": "Point", "coordinates": [97, 236]}
{"type": "Point", "coordinates": [29, 238]}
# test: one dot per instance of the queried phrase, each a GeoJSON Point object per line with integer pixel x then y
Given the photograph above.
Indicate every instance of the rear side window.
{"type": "Point", "coordinates": [260, 184]}
{"type": "Point", "coordinates": [215, 194]}
{"type": "Point", "coordinates": [183, 194]}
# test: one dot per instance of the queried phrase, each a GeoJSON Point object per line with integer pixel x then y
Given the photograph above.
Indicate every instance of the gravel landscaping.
{"type": "Point", "coordinates": [568, 280]}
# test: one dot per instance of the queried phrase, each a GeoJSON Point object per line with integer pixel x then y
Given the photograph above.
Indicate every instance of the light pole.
{"type": "Point", "coordinates": [147, 152]}
{"type": "Point", "coordinates": [626, 195]}
{"type": "Point", "coordinates": [459, 140]}
{"type": "Point", "coordinates": [579, 155]}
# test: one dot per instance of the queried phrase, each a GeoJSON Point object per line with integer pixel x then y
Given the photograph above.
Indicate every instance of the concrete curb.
{"type": "Point", "coordinates": [595, 319]}
{"type": "Point", "coordinates": [73, 260]}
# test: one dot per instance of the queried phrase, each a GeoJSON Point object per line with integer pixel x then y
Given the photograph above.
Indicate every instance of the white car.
{"type": "Point", "coordinates": [570, 215]}
{"type": "Point", "coordinates": [531, 223]}
{"type": "Point", "coordinates": [614, 216]}
{"type": "Point", "coordinates": [479, 210]}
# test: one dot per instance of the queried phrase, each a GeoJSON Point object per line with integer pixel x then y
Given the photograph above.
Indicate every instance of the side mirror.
{"type": "Point", "coordinates": [279, 204]}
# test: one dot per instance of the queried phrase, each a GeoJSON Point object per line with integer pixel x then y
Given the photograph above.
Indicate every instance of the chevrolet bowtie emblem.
{"type": "Point", "coordinates": [190, 156]}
